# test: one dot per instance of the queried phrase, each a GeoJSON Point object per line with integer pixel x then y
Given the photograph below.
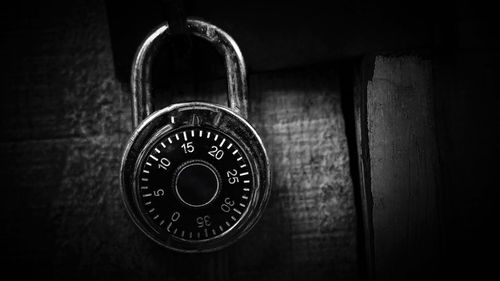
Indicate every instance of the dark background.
{"type": "Point", "coordinates": [380, 119]}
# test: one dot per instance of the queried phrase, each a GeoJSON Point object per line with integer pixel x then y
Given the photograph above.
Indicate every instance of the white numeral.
{"type": "Point", "coordinates": [231, 176]}
{"type": "Point", "coordinates": [164, 163]}
{"type": "Point", "coordinates": [203, 221]}
{"type": "Point", "coordinates": [159, 192]}
{"type": "Point", "coordinates": [176, 216]}
{"type": "Point", "coordinates": [216, 152]}
{"type": "Point", "coordinates": [188, 147]}
{"type": "Point", "coordinates": [226, 207]}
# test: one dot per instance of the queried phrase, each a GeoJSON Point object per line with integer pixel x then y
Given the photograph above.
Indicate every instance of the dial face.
{"type": "Point", "coordinates": [194, 183]}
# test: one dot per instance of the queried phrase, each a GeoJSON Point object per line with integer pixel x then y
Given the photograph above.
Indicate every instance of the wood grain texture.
{"type": "Point", "coordinates": [404, 168]}
{"type": "Point", "coordinates": [309, 228]}
{"type": "Point", "coordinates": [362, 73]}
{"type": "Point", "coordinates": [61, 79]}
{"type": "Point", "coordinates": [63, 132]}
{"type": "Point", "coordinates": [312, 205]}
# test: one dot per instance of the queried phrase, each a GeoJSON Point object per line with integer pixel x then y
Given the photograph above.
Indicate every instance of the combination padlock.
{"type": "Point", "coordinates": [195, 176]}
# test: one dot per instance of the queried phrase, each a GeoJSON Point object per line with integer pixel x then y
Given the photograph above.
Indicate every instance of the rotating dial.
{"type": "Point", "coordinates": [194, 183]}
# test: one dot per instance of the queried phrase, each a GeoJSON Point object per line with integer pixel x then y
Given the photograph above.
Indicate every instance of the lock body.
{"type": "Point", "coordinates": [195, 177]}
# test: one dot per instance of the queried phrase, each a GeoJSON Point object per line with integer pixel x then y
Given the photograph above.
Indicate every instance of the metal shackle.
{"type": "Point", "coordinates": [235, 67]}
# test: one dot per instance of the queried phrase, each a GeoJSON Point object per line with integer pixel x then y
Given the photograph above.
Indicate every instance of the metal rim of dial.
{"type": "Point", "coordinates": [192, 115]}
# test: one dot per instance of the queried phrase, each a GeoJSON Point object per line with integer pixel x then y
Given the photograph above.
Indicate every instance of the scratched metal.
{"type": "Point", "coordinates": [235, 67]}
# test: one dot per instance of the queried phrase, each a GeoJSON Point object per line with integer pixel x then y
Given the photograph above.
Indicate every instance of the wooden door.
{"type": "Point", "coordinates": [69, 118]}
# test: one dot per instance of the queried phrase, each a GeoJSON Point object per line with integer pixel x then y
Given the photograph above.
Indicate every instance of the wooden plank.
{"type": "Point", "coordinates": [404, 168]}
{"type": "Point", "coordinates": [61, 77]}
{"type": "Point", "coordinates": [309, 229]}
{"type": "Point", "coordinates": [64, 131]}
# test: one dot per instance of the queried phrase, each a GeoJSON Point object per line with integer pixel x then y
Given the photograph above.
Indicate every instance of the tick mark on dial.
{"type": "Point", "coordinates": [244, 174]}
{"type": "Point", "coordinates": [237, 211]}
{"type": "Point", "coordinates": [195, 120]}
{"type": "Point", "coordinates": [157, 151]}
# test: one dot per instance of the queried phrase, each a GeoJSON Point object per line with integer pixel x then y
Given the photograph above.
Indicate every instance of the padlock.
{"type": "Point", "coordinates": [195, 176]}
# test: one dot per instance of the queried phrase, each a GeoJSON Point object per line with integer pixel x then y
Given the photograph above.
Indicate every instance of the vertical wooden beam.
{"type": "Point", "coordinates": [404, 168]}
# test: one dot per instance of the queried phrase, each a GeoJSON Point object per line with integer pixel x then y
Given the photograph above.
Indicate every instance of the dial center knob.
{"type": "Point", "coordinates": [197, 183]}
